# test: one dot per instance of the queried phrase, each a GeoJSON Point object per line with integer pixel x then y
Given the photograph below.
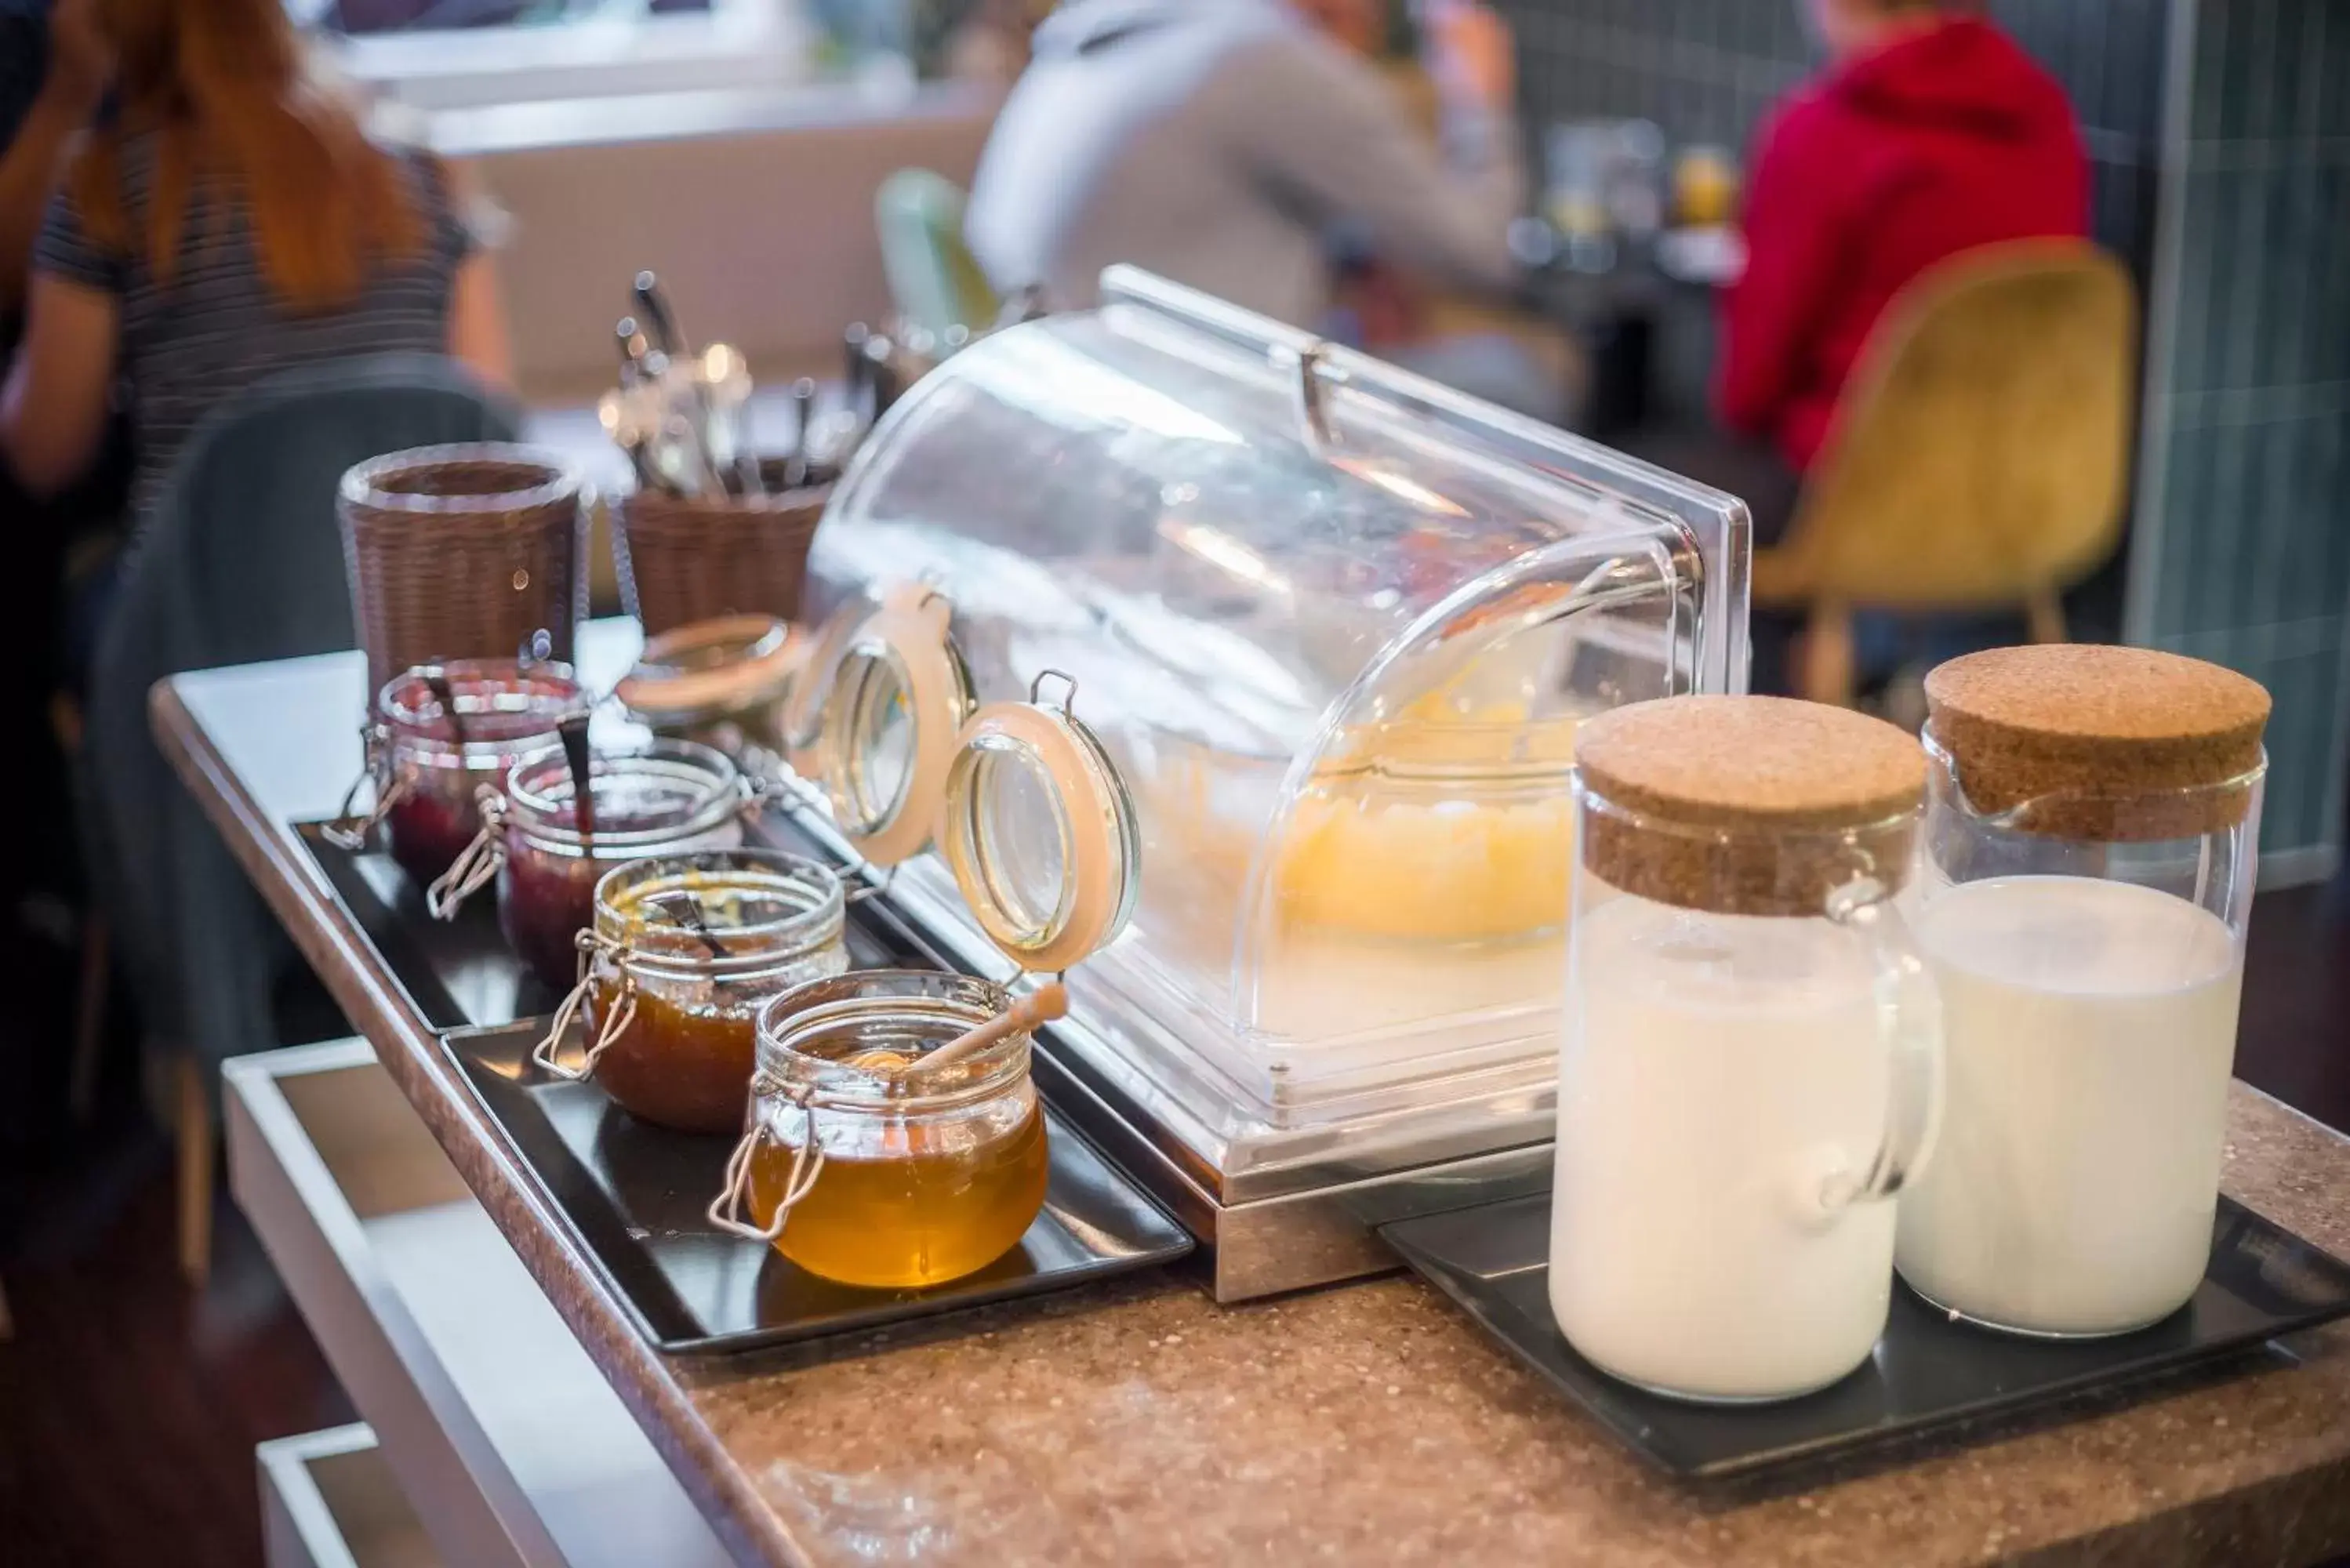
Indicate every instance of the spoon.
{"type": "Point", "coordinates": [681, 908]}
{"type": "Point", "coordinates": [796, 471]}
{"type": "Point", "coordinates": [657, 314]}
{"type": "Point", "coordinates": [633, 347]}
{"type": "Point", "coordinates": [437, 683]}
{"type": "Point", "coordinates": [573, 732]}
{"type": "Point", "coordinates": [1047, 1003]}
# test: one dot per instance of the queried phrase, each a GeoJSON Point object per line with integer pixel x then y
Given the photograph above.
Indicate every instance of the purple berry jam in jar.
{"type": "Point", "coordinates": [667, 797]}
{"type": "Point", "coordinates": [438, 733]}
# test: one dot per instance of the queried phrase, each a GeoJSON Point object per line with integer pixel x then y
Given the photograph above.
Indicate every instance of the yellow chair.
{"type": "Point", "coordinates": [1979, 460]}
{"type": "Point", "coordinates": [934, 282]}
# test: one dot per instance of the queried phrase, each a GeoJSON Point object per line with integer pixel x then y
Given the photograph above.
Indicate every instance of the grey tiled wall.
{"type": "Point", "coordinates": [2242, 552]}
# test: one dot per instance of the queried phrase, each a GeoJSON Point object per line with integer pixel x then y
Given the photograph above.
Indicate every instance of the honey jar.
{"type": "Point", "coordinates": [684, 951]}
{"type": "Point", "coordinates": [669, 797]}
{"type": "Point", "coordinates": [437, 734]}
{"type": "Point", "coordinates": [859, 1165]}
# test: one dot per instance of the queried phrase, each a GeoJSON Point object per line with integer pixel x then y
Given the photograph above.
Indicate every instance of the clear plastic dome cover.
{"type": "Point", "coordinates": [1333, 627]}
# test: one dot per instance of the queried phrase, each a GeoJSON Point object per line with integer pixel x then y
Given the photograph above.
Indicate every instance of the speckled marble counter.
{"type": "Point", "coordinates": [1141, 1424]}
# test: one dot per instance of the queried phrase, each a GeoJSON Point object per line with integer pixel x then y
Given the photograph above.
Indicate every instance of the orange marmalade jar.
{"type": "Point", "coordinates": [685, 951]}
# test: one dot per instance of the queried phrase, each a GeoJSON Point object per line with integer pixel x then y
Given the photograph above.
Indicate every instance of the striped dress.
{"type": "Point", "coordinates": [191, 345]}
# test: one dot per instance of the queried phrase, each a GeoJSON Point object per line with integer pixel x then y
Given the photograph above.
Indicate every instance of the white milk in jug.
{"type": "Point", "coordinates": [1719, 1073]}
{"type": "Point", "coordinates": [2090, 1030]}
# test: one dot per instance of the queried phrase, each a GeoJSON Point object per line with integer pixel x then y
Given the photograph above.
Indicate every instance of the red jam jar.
{"type": "Point", "coordinates": [438, 733]}
{"type": "Point", "coordinates": [667, 797]}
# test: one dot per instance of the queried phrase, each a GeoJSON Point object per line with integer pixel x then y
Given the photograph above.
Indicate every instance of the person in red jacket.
{"type": "Point", "coordinates": [1930, 132]}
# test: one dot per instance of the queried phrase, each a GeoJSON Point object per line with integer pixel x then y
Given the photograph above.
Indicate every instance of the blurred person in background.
{"type": "Point", "coordinates": [1222, 144]}
{"type": "Point", "coordinates": [1929, 132]}
{"type": "Point", "coordinates": [53, 77]}
{"type": "Point", "coordinates": [232, 220]}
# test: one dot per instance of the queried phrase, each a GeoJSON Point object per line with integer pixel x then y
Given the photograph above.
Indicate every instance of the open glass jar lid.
{"type": "Point", "coordinates": [731, 670]}
{"type": "Point", "coordinates": [1020, 798]}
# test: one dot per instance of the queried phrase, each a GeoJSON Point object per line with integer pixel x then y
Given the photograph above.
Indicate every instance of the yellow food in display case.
{"type": "Point", "coordinates": [1437, 827]}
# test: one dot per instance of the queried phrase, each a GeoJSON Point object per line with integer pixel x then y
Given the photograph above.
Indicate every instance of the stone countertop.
{"type": "Point", "coordinates": [1140, 1423]}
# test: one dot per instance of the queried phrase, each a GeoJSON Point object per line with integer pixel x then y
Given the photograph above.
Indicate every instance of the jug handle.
{"type": "Point", "coordinates": [1909, 1023]}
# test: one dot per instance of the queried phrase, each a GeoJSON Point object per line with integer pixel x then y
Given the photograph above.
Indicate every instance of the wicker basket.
{"type": "Point", "coordinates": [462, 551]}
{"type": "Point", "coordinates": [685, 559]}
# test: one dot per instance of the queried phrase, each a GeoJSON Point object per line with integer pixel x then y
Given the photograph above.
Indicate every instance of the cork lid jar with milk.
{"type": "Point", "coordinates": [2084, 879]}
{"type": "Point", "coordinates": [1748, 1057]}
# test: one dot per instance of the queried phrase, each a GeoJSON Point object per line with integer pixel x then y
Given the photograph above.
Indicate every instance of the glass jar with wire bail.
{"type": "Point", "coordinates": [895, 1139]}
{"type": "Point", "coordinates": [863, 1162]}
{"type": "Point", "coordinates": [438, 733]}
{"type": "Point", "coordinates": [683, 952]}
{"type": "Point", "coordinates": [667, 797]}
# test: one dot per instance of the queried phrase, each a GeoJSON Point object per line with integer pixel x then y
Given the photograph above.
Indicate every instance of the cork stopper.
{"type": "Point", "coordinates": [1747, 805]}
{"type": "Point", "coordinates": [2114, 744]}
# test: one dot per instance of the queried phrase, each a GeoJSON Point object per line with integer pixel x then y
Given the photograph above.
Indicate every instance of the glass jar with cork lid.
{"type": "Point", "coordinates": [2092, 833]}
{"type": "Point", "coordinates": [1749, 1061]}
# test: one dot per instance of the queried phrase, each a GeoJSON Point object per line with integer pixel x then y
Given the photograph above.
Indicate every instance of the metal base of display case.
{"type": "Point", "coordinates": [1313, 1236]}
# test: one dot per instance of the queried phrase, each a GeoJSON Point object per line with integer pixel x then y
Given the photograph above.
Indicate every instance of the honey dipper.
{"type": "Point", "coordinates": [1042, 1006]}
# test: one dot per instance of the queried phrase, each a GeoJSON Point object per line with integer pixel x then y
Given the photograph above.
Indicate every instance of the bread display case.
{"type": "Point", "coordinates": [1237, 675]}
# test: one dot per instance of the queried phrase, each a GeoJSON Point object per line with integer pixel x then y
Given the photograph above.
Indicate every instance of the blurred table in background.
{"type": "Point", "coordinates": [1644, 311]}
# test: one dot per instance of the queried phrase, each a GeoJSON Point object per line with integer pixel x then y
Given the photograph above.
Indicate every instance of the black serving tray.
{"type": "Point", "coordinates": [1930, 1376]}
{"type": "Point", "coordinates": [456, 974]}
{"type": "Point", "coordinates": [633, 1195]}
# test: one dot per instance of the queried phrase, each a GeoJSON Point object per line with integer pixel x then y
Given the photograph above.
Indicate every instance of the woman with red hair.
{"type": "Point", "coordinates": [233, 219]}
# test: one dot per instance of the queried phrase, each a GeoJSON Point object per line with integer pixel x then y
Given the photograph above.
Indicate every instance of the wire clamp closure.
{"type": "Point", "coordinates": [725, 1211]}
{"type": "Point", "coordinates": [349, 831]}
{"type": "Point", "coordinates": [478, 864]}
{"type": "Point", "coordinates": [593, 946]}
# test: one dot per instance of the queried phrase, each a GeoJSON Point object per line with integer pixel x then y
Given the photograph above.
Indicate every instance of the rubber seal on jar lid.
{"type": "Point", "coordinates": [900, 696]}
{"type": "Point", "coordinates": [1040, 835]}
{"type": "Point", "coordinates": [811, 688]}
{"type": "Point", "coordinates": [742, 659]}
{"type": "Point", "coordinates": [2122, 744]}
{"type": "Point", "coordinates": [1746, 805]}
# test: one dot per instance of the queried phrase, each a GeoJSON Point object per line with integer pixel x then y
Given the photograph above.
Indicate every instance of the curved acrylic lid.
{"type": "Point", "coordinates": [899, 696]}
{"type": "Point", "coordinates": [1039, 832]}
{"type": "Point", "coordinates": [1318, 605]}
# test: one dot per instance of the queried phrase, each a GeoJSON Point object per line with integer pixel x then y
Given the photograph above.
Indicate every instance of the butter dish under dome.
{"type": "Point", "coordinates": [1282, 652]}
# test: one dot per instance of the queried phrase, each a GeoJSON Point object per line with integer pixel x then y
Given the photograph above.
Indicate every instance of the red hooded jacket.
{"type": "Point", "coordinates": [1863, 179]}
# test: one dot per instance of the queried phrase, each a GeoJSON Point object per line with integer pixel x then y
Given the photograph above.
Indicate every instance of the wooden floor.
{"type": "Point", "coordinates": [129, 1403]}
{"type": "Point", "coordinates": [129, 1406]}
